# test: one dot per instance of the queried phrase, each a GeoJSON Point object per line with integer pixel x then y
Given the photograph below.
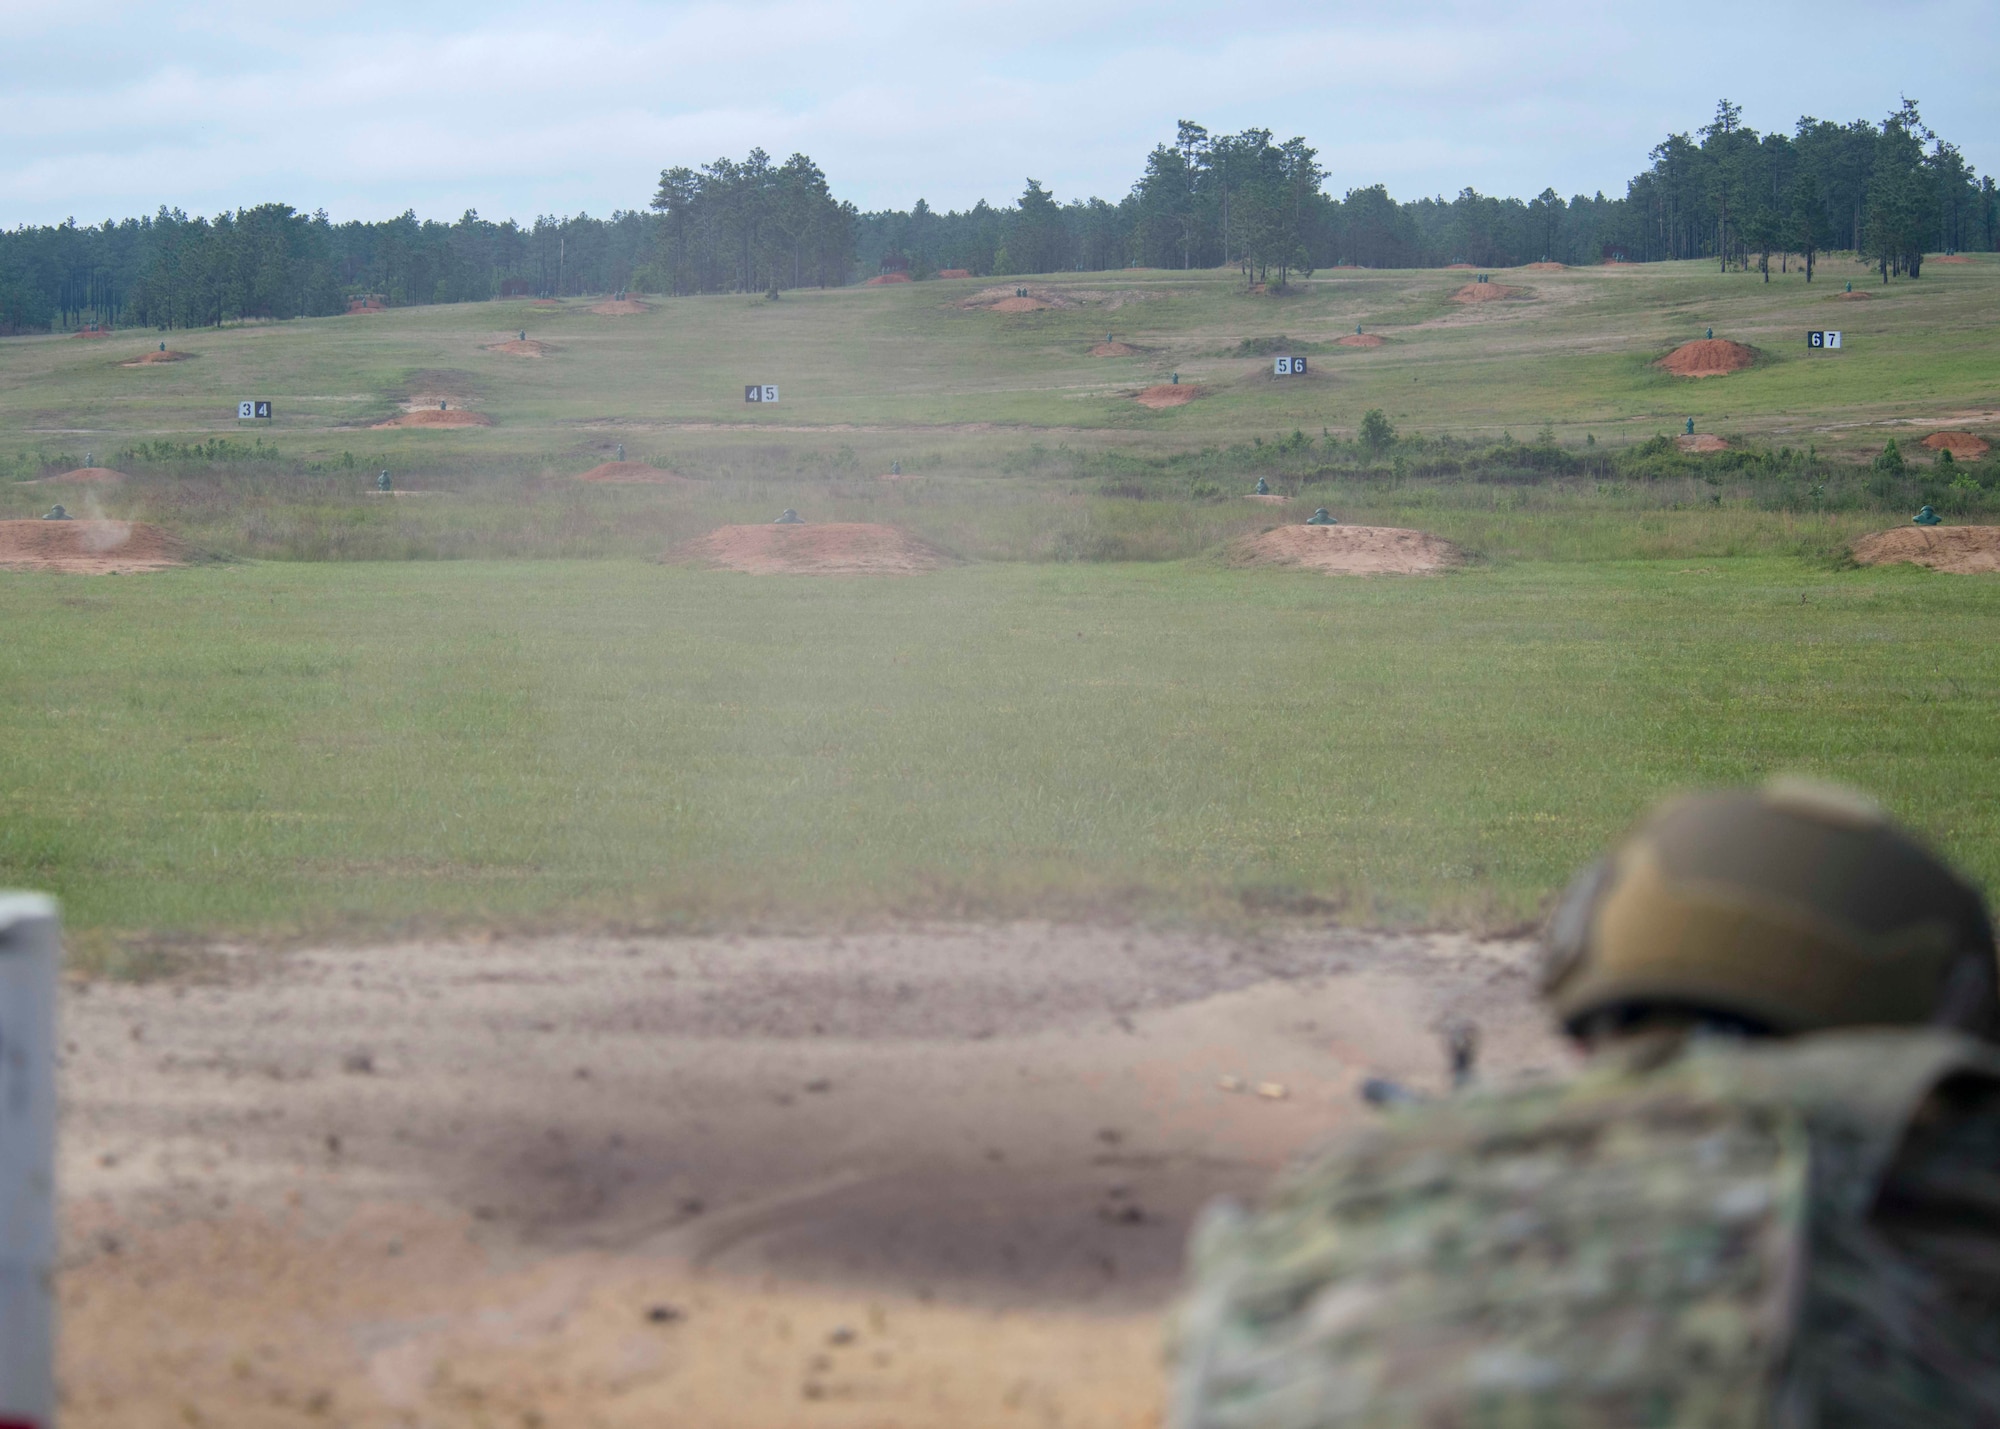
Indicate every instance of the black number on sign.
{"type": "Point", "coordinates": [1815, 339]}
{"type": "Point", "coordinates": [753, 394]}
{"type": "Point", "coordinates": [264, 409]}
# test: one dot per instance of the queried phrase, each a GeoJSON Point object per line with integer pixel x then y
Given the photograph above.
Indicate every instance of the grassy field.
{"type": "Point", "coordinates": [1089, 711]}
{"type": "Point", "coordinates": [311, 747]}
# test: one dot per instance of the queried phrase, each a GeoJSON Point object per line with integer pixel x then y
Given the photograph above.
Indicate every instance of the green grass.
{"type": "Point", "coordinates": [280, 748]}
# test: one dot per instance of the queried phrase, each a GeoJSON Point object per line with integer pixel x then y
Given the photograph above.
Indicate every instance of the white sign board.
{"type": "Point", "coordinates": [257, 410]}
{"type": "Point", "coordinates": [755, 393]}
{"type": "Point", "coordinates": [1289, 367]}
{"type": "Point", "coordinates": [28, 943]}
{"type": "Point", "coordinates": [1823, 339]}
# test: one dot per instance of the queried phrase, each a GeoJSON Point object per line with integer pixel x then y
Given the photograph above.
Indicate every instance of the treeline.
{"type": "Point", "coordinates": [1891, 191]}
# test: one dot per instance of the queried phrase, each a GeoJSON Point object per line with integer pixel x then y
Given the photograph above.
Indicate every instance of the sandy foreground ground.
{"type": "Point", "coordinates": [931, 1176]}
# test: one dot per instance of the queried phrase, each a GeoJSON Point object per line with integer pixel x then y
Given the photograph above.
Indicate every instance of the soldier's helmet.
{"type": "Point", "coordinates": [1787, 909]}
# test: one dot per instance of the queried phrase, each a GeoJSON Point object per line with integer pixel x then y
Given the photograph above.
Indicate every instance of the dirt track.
{"type": "Point", "coordinates": [931, 1176]}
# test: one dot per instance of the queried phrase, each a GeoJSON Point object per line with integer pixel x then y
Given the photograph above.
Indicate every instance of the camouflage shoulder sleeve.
{"type": "Point", "coordinates": [1623, 1249]}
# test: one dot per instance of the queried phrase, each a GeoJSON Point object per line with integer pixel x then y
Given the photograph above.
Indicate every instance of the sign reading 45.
{"type": "Point", "coordinates": [755, 393]}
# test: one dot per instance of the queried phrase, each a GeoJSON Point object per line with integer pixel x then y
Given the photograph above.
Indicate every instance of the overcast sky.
{"type": "Point", "coordinates": [365, 109]}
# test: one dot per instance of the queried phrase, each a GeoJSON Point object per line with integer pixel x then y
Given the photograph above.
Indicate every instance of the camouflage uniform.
{"type": "Point", "coordinates": [1703, 1227]}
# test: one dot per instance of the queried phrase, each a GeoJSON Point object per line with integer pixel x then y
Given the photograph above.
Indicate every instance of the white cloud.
{"type": "Point", "coordinates": [115, 108]}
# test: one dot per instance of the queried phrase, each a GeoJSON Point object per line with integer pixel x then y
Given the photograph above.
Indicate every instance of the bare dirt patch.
{"type": "Point", "coordinates": [834, 548]}
{"type": "Point", "coordinates": [619, 308]}
{"type": "Point", "coordinates": [1949, 258]}
{"type": "Point", "coordinates": [954, 273]}
{"type": "Point", "coordinates": [1701, 442]}
{"type": "Point", "coordinates": [436, 417]}
{"type": "Point", "coordinates": [931, 1176]}
{"type": "Point", "coordinates": [1455, 267]}
{"type": "Point", "coordinates": [1546, 268]}
{"type": "Point", "coordinates": [632, 473]}
{"type": "Point", "coordinates": [1487, 293]}
{"type": "Point", "coordinates": [1961, 550]}
{"type": "Point", "coordinates": [1267, 498]}
{"type": "Point", "coordinates": [1962, 445]}
{"type": "Point", "coordinates": [1114, 349]}
{"type": "Point", "coordinates": [1857, 296]}
{"type": "Point", "coordinates": [1168, 394]}
{"type": "Point", "coordinates": [1348, 550]}
{"type": "Point", "coordinates": [546, 303]}
{"type": "Point", "coordinates": [83, 476]}
{"type": "Point", "coordinates": [883, 280]}
{"type": "Point", "coordinates": [1360, 339]}
{"type": "Point", "coordinates": [521, 347]}
{"type": "Point", "coordinates": [1709, 357]}
{"type": "Point", "coordinates": [150, 359]}
{"type": "Point", "coordinates": [91, 548]}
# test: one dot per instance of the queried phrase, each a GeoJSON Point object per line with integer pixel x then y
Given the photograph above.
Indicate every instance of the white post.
{"type": "Point", "coordinates": [29, 940]}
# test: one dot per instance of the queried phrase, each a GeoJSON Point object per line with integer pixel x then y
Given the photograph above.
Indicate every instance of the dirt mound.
{"type": "Point", "coordinates": [1702, 442]}
{"type": "Point", "coordinates": [521, 347]}
{"type": "Point", "coordinates": [1959, 444]}
{"type": "Point", "coordinates": [1951, 258]}
{"type": "Point", "coordinates": [883, 280]}
{"type": "Point", "coordinates": [91, 548]}
{"type": "Point", "coordinates": [631, 473]}
{"type": "Point", "coordinates": [1018, 305]}
{"type": "Point", "coordinates": [954, 272]}
{"type": "Point", "coordinates": [619, 308]}
{"type": "Point", "coordinates": [1348, 550]}
{"type": "Point", "coordinates": [93, 475]}
{"type": "Point", "coordinates": [545, 303]}
{"type": "Point", "coordinates": [1708, 357]}
{"type": "Point", "coordinates": [838, 548]}
{"type": "Point", "coordinates": [147, 359]}
{"type": "Point", "coordinates": [1547, 267]}
{"type": "Point", "coordinates": [1019, 298]}
{"type": "Point", "coordinates": [1455, 267]}
{"type": "Point", "coordinates": [1267, 498]}
{"type": "Point", "coordinates": [1961, 550]}
{"type": "Point", "coordinates": [1359, 339]}
{"type": "Point", "coordinates": [90, 332]}
{"type": "Point", "coordinates": [434, 417]}
{"type": "Point", "coordinates": [1856, 297]}
{"type": "Point", "coordinates": [1114, 349]}
{"type": "Point", "coordinates": [1486, 293]}
{"type": "Point", "coordinates": [1168, 394]}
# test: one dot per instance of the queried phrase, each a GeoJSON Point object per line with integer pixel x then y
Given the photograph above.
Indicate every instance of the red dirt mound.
{"type": "Point", "coordinates": [1547, 267]}
{"type": "Point", "coordinates": [1708, 357]}
{"type": "Point", "coordinates": [1455, 267]}
{"type": "Point", "coordinates": [838, 548]}
{"type": "Point", "coordinates": [90, 548]}
{"type": "Point", "coordinates": [883, 280]}
{"type": "Point", "coordinates": [632, 473]}
{"type": "Point", "coordinates": [147, 359]}
{"type": "Point", "coordinates": [1348, 550]}
{"type": "Point", "coordinates": [366, 305]}
{"type": "Point", "coordinates": [1168, 394]}
{"type": "Point", "coordinates": [1359, 339]}
{"type": "Point", "coordinates": [1961, 550]}
{"type": "Point", "coordinates": [954, 273]}
{"type": "Point", "coordinates": [1855, 297]}
{"type": "Point", "coordinates": [1959, 444]}
{"type": "Point", "coordinates": [85, 476]}
{"type": "Point", "coordinates": [92, 332]}
{"type": "Point", "coordinates": [1114, 349]}
{"type": "Point", "coordinates": [521, 347]}
{"type": "Point", "coordinates": [619, 308]}
{"type": "Point", "coordinates": [545, 303]}
{"type": "Point", "coordinates": [1951, 258]}
{"type": "Point", "coordinates": [1702, 442]}
{"type": "Point", "coordinates": [1486, 293]}
{"type": "Point", "coordinates": [432, 417]}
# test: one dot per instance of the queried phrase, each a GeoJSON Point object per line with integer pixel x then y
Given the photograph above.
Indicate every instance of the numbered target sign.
{"type": "Point", "coordinates": [760, 394]}
{"type": "Point", "coordinates": [1290, 367]}
{"type": "Point", "coordinates": [258, 409]}
{"type": "Point", "coordinates": [1823, 339]}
